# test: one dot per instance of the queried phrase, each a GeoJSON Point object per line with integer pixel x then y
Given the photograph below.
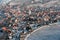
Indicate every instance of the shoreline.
{"type": "Point", "coordinates": [37, 30]}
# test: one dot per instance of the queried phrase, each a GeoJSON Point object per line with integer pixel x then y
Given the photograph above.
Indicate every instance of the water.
{"type": "Point", "coordinates": [4, 1]}
{"type": "Point", "coordinates": [46, 33]}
